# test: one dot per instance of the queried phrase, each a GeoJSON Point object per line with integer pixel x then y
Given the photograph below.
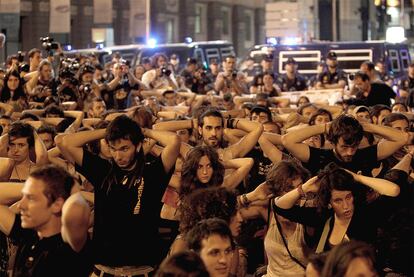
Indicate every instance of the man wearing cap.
{"type": "Point", "coordinates": [333, 77]}
{"type": "Point", "coordinates": [292, 81]}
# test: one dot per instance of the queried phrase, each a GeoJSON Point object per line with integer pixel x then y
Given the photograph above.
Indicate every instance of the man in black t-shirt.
{"type": "Point", "coordinates": [128, 190]}
{"type": "Point", "coordinates": [345, 133]}
{"type": "Point", "coordinates": [51, 230]}
{"type": "Point", "coordinates": [370, 94]}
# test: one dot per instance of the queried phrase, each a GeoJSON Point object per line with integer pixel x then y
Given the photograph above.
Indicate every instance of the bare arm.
{"type": "Point", "coordinates": [40, 150]}
{"type": "Point", "coordinates": [10, 193]}
{"type": "Point", "coordinates": [243, 147]}
{"type": "Point", "coordinates": [8, 109]}
{"type": "Point", "coordinates": [78, 115]}
{"type": "Point", "coordinates": [172, 146]}
{"type": "Point", "coordinates": [293, 141]}
{"type": "Point", "coordinates": [270, 150]}
{"type": "Point", "coordinates": [382, 186]}
{"type": "Point", "coordinates": [75, 221]}
{"type": "Point", "coordinates": [242, 166]}
{"type": "Point", "coordinates": [289, 199]}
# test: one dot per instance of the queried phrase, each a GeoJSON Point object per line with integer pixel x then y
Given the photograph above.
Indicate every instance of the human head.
{"type": "Point", "coordinates": [321, 116]}
{"type": "Point", "coordinates": [139, 71]}
{"type": "Point", "coordinates": [143, 116]}
{"type": "Point", "coordinates": [47, 134]}
{"type": "Point", "coordinates": [261, 114]}
{"type": "Point", "coordinates": [182, 264]}
{"type": "Point", "coordinates": [44, 193]}
{"type": "Point", "coordinates": [210, 127]}
{"type": "Point", "coordinates": [380, 66]}
{"type": "Point", "coordinates": [124, 137]}
{"type": "Point", "coordinates": [378, 113]}
{"type": "Point", "coordinates": [12, 83]}
{"type": "Point", "coordinates": [53, 111]}
{"type": "Point", "coordinates": [258, 80]}
{"type": "Point", "coordinates": [266, 62]}
{"type": "Point", "coordinates": [208, 203]}
{"type": "Point", "coordinates": [361, 113]}
{"type": "Point", "coordinates": [228, 102]}
{"type": "Point", "coordinates": [268, 78]}
{"type": "Point", "coordinates": [45, 70]}
{"type": "Point", "coordinates": [362, 82]}
{"type": "Point", "coordinates": [399, 107]}
{"type": "Point", "coordinates": [202, 168]}
{"type": "Point", "coordinates": [146, 63]}
{"type": "Point", "coordinates": [285, 176]}
{"type": "Point", "coordinates": [338, 190]}
{"type": "Point", "coordinates": [353, 258]}
{"type": "Point", "coordinates": [307, 110]}
{"type": "Point", "coordinates": [159, 60]}
{"type": "Point", "coordinates": [5, 122]}
{"type": "Point", "coordinates": [331, 60]}
{"type": "Point", "coordinates": [315, 264]}
{"type": "Point", "coordinates": [35, 57]}
{"type": "Point", "coordinates": [345, 133]}
{"type": "Point", "coordinates": [86, 73]}
{"type": "Point", "coordinates": [212, 240]}
{"type": "Point", "coordinates": [170, 97]}
{"type": "Point", "coordinates": [20, 140]}
{"type": "Point", "coordinates": [302, 100]}
{"type": "Point", "coordinates": [368, 68]}
{"type": "Point", "coordinates": [397, 121]}
{"type": "Point", "coordinates": [229, 63]}
{"type": "Point", "coordinates": [174, 59]}
{"type": "Point", "coordinates": [271, 127]}
{"type": "Point", "coordinates": [191, 64]}
{"type": "Point", "coordinates": [97, 108]}
{"type": "Point", "coordinates": [290, 65]}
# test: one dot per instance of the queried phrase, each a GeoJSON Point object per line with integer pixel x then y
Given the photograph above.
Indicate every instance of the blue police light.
{"type": "Point", "coordinates": [68, 47]}
{"type": "Point", "coordinates": [272, 41]}
{"type": "Point", "coordinates": [99, 45]}
{"type": "Point", "coordinates": [188, 40]}
{"type": "Point", "coordinates": [290, 40]}
{"type": "Point", "coordinates": [152, 42]}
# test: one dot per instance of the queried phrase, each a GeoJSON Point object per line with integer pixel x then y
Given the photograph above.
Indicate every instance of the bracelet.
{"type": "Point", "coordinates": [235, 124]}
{"type": "Point", "coordinates": [301, 192]}
{"type": "Point", "coordinates": [230, 123]}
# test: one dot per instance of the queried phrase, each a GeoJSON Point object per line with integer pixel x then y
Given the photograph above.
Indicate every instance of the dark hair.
{"type": "Point", "coordinates": [394, 117]}
{"type": "Point", "coordinates": [347, 128]}
{"type": "Point", "coordinates": [31, 116]}
{"type": "Point", "coordinates": [280, 176]}
{"type": "Point", "coordinates": [370, 65]}
{"type": "Point", "coordinates": [5, 93]}
{"type": "Point", "coordinates": [256, 79]}
{"type": "Point", "coordinates": [58, 182]}
{"type": "Point", "coordinates": [320, 111]}
{"type": "Point", "coordinates": [189, 181]}
{"type": "Point", "coordinates": [304, 106]}
{"type": "Point", "coordinates": [399, 103]}
{"type": "Point", "coordinates": [210, 112]}
{"type": "Point", "coordinates": [55, 110]}
{"type": "Point", "coordinates": [361, 75]}
{"type": "Point", "coordinates": [260, 109]}
{"type": "Point", "coordinates": [302, 97]}
{"type": "Point", "coordinates": [45, 128]}
{"type": "Point", "coordinates": [207, 203]}
{"type": "Point", "coordinates": [182, 264]}
{"type": "Point", "coordinates": [95, 146]}
{"type": "Point", "coordinates": [143, 116]}
{"type": "Point", "coordinates": [206, 228]}
{"type": "Point", "coordinates": [123, 127]}
{"type": "Point", "coordinates": [341, 256]}
{"type": "Point", "coordinates": [333, 177]}
{"type": "Point", "coordinates": [156, 57]}
{"type": "Point", "coordinates": [19, 129]}
{"type": "Point", "coordinates": [377, 109]}
{"type": "Point", "coordinates": [318, 261]}
{"type": "Point", "coordinates": [33, 51]}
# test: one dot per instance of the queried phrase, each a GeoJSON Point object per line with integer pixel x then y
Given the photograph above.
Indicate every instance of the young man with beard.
{"type": "Point", "coordinates": [51, 229]}
{"type": "Point", "coordinates": [345, 133]}
{"type": "Point", "coordinates": [210, 126]}
{"type": "Point", "coordinates": [128, 190]}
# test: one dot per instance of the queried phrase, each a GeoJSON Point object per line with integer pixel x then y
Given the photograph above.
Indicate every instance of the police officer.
{"type": "Point", "coordinates": [383, 75]}
{"type": "Point", "coordinates": [333, 77]}
{"type": "Point", "coordinates": [292, 81]}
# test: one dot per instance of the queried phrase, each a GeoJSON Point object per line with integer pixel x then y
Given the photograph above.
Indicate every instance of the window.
{"type": "Point", "coordinates": [307, 60]}
{"type": "Point", "coordinates": [395, 62]}
{"type": "Point", "coordinates": [350, 60]}
{"type": "Point", "coordinates": [405, 58]}
{"type": "Point", "coordinates": [199, 18]}
{"type": "Point", "coordinates": [248, 21]}
{"type": "Point", "coordinates": [212, 54]}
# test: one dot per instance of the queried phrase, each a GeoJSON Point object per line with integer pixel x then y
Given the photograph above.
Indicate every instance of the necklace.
{"type": "Point", "coordinates": [17, 172]}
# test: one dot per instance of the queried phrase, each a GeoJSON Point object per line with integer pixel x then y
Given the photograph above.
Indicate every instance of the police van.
{"type": "Point", "coordinates": [204, 51]}
{"type": "Point", "coordinates": [350, 55]}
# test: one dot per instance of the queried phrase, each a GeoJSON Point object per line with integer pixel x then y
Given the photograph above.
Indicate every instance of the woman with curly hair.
{"type": "Point", "coordinates": [342, 212]}
{"type": "Point", "coordinates": [13, 91]}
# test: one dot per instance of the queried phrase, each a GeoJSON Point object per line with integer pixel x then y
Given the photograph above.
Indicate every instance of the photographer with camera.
{"type": "Point", "coordinates": [120, 86]}
{"type": "Point", "coordinates": [230, 80]}
{"type": "Point", "coordinates": [42, 84]}
{"type": "Point", "coordinates": [68, 89]}
{"type": "Point", "coordinates": [195, 77]}
{"type": "Point", "coordinates": [161, 76]}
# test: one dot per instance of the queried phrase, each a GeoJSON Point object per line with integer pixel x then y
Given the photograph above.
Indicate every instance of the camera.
{"type": "Point", "coordinates": [71, 64]}
{"type": "Point", "coordinates": [165, 71]}
{"type": "Point", "coordinates": [24, 67]}
{"type": "Point", "coordinates": [87, 88]}
{"type": "Point", "coordinates": [48, 43]}
{"type": "Point", "coordinates": [351, 76]}
{"type": "Point", "coordinates": [234, 74]}
{"type": "Point", "coordinates": [20, 56]}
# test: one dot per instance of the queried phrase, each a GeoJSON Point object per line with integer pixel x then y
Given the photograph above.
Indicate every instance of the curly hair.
{"type": "Point", "coordinates": [189, 180]}
{"type": "Point", "coordinates": [280, 176]}
{"type": "Point", "coordinates": [347, 128]}
{"type": "Point", "coordinates": [206, 203]}
{"type": "Point", "coordinates": [333, 177]}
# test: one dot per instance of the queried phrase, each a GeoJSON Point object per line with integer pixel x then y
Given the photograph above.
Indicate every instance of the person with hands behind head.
{"type": "Point", "coordinates": [342, 212]}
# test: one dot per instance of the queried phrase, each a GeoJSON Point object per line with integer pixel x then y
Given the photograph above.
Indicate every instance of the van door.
{"type": "Point", "coordinates": [307, 60]}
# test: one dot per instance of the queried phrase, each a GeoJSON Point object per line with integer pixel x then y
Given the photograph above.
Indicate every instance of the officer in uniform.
{"type": "Point", "coordinates": [383, 75]}
{"type": "Point", "coordinates": [292, 81]}
{"type": "Point", "coordinates": [406, 83]}
{"type": "Point", "coordinates": [333, 77]}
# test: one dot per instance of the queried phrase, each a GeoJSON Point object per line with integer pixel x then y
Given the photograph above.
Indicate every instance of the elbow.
{"type": "Point", "coordinates": [395, 191]}
{"type": "Point", "coordinates": [285, 140]}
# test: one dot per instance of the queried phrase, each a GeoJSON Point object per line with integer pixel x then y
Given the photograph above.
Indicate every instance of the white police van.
{"type": "Point", "coordinates": [350, 55]}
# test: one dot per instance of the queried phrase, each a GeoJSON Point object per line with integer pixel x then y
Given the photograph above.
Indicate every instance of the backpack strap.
{"type": "Point", "coordinates": [324, 236]}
